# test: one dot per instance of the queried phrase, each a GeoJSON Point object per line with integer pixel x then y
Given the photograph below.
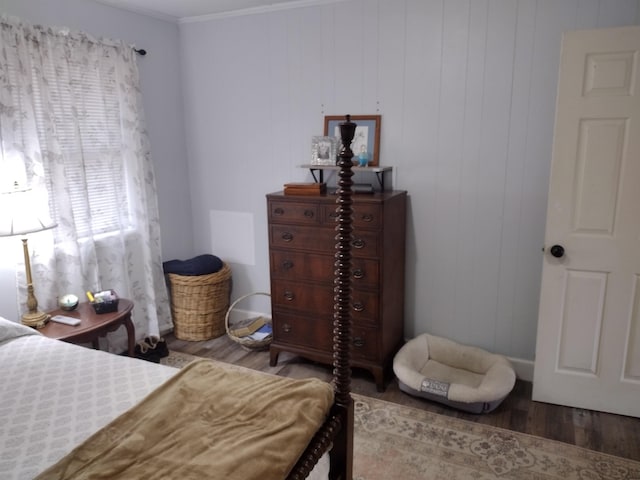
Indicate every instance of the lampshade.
{"type": "Point", "coordinates": [21, 213]}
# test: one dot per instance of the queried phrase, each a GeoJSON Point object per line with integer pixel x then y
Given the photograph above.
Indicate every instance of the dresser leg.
{"type": "Point", "coordinates": [273, 357]}
{"type": "Point", "coordinates": [378, 376]}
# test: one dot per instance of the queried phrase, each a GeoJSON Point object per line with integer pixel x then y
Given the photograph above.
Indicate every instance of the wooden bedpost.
{"type": "Point", "coordinates": [337, 431]}
{"type": "Point", "coordinates": [342, 458]}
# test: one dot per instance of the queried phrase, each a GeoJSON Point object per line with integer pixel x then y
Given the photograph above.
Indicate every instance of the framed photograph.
{"type": "Point", "coordinates": [366, 139]}
{"type": "Point", "coordinates": [324, 150]}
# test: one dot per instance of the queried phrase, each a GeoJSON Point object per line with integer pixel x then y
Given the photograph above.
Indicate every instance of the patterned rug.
{"type": "Point", "coordinates": [396, 442]}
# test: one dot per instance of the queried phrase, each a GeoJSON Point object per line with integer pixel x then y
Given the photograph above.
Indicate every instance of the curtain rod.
{"type": "Point", "coordinates": [140, 51]}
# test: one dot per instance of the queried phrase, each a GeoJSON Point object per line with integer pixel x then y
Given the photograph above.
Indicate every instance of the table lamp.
{"type": "Point", "coordinates": [20, 214]}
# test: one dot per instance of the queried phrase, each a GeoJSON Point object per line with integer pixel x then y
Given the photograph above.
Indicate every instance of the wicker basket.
{"type": "Point", "coordinates": [245, 341]}
{"type": "Point", "coordinates": [199, 303]}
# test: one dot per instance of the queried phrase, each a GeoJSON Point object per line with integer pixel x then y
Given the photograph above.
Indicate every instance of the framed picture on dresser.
{"type": "Point", "coordinates": [367, 136]}
{"type": "Point", "coordinates": [323, 150]}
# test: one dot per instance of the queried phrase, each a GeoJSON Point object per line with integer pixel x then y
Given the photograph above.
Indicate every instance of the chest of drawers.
{"type": "Point", "coordinates": [302, 255]}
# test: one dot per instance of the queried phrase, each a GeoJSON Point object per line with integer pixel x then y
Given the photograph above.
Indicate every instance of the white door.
{"type": "Point", "coordinates": [588, 345]}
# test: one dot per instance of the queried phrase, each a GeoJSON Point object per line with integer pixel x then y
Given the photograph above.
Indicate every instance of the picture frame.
{"type": "Point", "coordinates": [367, 135]}
{"type": "Point", "coordinates": [324, 150]}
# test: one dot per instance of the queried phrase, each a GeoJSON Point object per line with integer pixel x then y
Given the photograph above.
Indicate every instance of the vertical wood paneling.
{"type": "Point", "coordinates": [277, 75]}
{"type": "Point", "coordinates": [451, 115]}
{"type": "Point", "coordinates": [510, 252]}
{"type": "Point", "coordinates": [472, 163]}
{"type": "Point", "coordinates": [413, 144]}
{"type": "Point", "coordinates": [620, 12]}
{"type": "Point", "coordinates": [467, 92]}
{"type": "Point", "coordinates": [488, 222]}
{"type": "Point", "coordinates": [551, 19]}
{"type": "Point", "coordinates": [304, 82]}
{"type": "Point", "coordinates": [370, 66]}
{"type": "Point", "coordinates": [328, 41]}
{"type": "Point", "coordinates": [587, 12]}
{"type": "Point", "coordinates": [348, 56]}
{"type": "Point", "coordinates": [391, 73]}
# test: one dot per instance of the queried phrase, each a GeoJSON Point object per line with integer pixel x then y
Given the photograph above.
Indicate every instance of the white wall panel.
{"type": "Point", "coordinates": [448, 164]}
{"type": "Point", "coordinates": [587, 13]}
{"type": "Point", "coordinates": [492, 166]}
{"type": "Point", "coordinates": [472, 163]}
{"type": "Point", "coordinates": [466, 90]}
{"type": "Point", "coordinates": [413, 121]}
{"type": "Point", "coordinates": [510, 290]}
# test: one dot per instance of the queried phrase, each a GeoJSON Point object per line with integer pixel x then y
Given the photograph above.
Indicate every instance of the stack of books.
{"type": "Point", "coordinates": [311, 188]}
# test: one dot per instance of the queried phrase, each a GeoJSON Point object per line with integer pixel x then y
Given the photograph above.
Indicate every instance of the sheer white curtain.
{"type": "Point", "coordinates": [72, 128]}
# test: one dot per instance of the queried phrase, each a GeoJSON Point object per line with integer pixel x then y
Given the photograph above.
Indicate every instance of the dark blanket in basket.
{"type": "Point", "coordinates": [200, 265]}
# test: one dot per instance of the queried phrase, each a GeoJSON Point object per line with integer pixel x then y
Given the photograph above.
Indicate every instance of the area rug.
{"type": "Point", "coordinates": [396, 442]}
{"type": "Point", "coordinates": [178, 359]}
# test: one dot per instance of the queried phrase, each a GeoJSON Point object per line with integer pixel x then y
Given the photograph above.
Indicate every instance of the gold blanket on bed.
{"type": "Point", "coordinates": [206, 422]}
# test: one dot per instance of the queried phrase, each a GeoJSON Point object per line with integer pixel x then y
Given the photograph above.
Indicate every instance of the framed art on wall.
{"type": "Point", "coordinates": [366, 139]}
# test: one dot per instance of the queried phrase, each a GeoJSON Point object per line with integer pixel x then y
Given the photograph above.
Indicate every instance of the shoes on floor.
{"type": "Point", "coordinates": [152, 349]}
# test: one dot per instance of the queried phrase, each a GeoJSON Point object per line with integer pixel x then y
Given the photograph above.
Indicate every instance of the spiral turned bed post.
{"type": "Point", "coordinates": [342, 305]}
{"type": "Point", "coordinates": [337, 432]}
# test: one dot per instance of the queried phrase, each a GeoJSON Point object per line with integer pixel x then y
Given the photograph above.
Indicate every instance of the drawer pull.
{"type": "Point", "coordinates": [358, 273]}
{"type": "Point", "coordinates": [308, 213]}
{"type": "Point", "coordinates": [333, 215]}
{"type": "Point", "coordinates": [278, 211]}
{"type": "Point", "coordinates": [286, 328]}
{"type": "Point", "coordinates": [358, 342]}
{"type": "Point", "coordinates": [287, 236]}
{"type": "Point", "coordinates": [367, 217]}
{"type": "Point", "coordinates": [358, 307]}
{"type": "Point", "coordinates": [288, 295]}
{"type": "Point", "coordinates": [287, 264]}
{"type": "Point", "coordinates": [358, 243]}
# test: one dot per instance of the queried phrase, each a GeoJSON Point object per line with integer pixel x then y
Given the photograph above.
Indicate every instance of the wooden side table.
{"type": "Point", "coordinates": [92, 325]}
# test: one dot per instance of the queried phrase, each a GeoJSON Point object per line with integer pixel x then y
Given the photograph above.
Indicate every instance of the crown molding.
{"type": "Point", "coordinates": [258, 10]}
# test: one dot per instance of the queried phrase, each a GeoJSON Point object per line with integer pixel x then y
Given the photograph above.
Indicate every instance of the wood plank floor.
{"type": "Point", "coordinates": [613, 434]}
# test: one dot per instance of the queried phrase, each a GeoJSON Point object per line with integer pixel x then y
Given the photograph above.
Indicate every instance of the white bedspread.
{"type": "Point", "coordinates": [53, 395]}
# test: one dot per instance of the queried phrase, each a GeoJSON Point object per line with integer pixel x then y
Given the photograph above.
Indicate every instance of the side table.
{"type": "Point", "coordinates": [92, 325]}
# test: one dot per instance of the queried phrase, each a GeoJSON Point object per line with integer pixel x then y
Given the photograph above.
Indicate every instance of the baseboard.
{"type": "Point", "coordinates": [523, 368]}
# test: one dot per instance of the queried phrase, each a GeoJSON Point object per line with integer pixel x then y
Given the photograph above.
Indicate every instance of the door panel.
{"type": "Point", "coordinates": [581, 322]}
{"type": "Point", "coordinates": [588, 343]}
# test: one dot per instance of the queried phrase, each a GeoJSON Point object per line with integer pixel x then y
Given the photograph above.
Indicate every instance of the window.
{"type": "Point", "coordinates": [86, 114]}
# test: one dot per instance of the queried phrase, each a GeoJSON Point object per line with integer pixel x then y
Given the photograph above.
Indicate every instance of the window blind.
{"type": "Point", "coordinates": [83, 103]}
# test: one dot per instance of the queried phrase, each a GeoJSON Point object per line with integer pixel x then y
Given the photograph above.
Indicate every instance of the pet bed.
{"type": "Point", "coordinates": [460, 376]}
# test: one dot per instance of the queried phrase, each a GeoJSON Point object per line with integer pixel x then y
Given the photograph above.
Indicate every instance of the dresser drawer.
{"type": "Point", "coordinates": [365, 244]}
{"type": "Point", "coordinates": [364, 216]}
{"type": "Point", "coordinates": [314, 332]}
{"type": "Point", "coordinates": [289, 212]}
{"type": "Point", "coordinates": [292, 295]}
{"type": "Point", "coordinates": [365, 343]}
{"type": "Point", "coordinates": [292, 265]}
{"type": "Point", "coordinates": [318, 298]}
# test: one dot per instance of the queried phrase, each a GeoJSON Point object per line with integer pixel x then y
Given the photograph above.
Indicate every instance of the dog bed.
{"type": "Point", "coordinates": [461, 376]}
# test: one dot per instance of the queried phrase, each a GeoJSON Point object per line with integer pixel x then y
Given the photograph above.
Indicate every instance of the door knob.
{"type": "Point", "coordinates": [557, 251]}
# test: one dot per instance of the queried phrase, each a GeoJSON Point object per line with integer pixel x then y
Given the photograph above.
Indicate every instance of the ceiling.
{"type": "Point", "coordinates": [190, 9]}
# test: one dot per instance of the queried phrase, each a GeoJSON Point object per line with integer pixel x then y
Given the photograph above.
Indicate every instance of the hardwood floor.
{"type": "Point", "coordinates": [613, 434]}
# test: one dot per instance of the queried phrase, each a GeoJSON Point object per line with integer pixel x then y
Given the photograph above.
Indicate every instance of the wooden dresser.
{"type": "Point", "coordinates": [301, 256]}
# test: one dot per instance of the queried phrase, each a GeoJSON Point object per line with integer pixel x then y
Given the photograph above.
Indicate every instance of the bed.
{"type": "Point", "coordinates": [74, 412]}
